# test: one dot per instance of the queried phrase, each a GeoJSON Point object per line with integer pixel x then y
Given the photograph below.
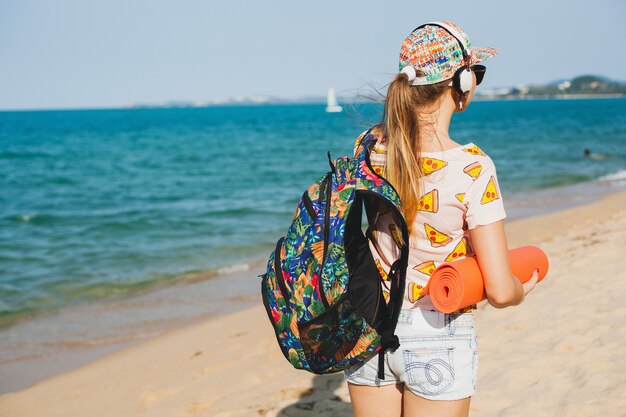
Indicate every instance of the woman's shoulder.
{"type": "Point", "coordinates": [476, 158]}
{"type": "Point", "coordinates": [470, 157]}
{"type": "Point", "coordinates": [470, 154]}
{"type": "Point", "coordinates": [473, 150]}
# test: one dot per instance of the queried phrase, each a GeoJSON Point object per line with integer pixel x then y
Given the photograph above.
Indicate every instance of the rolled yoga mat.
{"type": "Point", "coordinates": [459, 284]}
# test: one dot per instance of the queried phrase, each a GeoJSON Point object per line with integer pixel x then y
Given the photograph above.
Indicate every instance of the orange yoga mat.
{"type": "Point", "coordinates": [458, 284]}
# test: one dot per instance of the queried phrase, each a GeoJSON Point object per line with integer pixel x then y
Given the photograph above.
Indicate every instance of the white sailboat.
{"type": "Point", "coordinates": [331, 102]}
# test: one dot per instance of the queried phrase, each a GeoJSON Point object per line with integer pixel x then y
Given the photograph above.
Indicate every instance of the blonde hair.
{"type": "Point", "coordinates": [400, 128]}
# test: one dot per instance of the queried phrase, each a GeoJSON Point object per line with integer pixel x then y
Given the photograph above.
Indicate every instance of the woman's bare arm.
{"type": "Point", "coordinates": [492, 252]}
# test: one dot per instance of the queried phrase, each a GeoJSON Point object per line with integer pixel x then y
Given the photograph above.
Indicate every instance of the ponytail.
{"type": "Point", "coordinates": [400, 128]}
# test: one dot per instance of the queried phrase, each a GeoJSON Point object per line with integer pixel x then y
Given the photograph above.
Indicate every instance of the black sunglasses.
{"type": "Point", "coordinates": [479, 70]}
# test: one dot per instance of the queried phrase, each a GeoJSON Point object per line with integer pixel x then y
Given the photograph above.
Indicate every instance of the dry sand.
{"type": "Point", "coordinates": [561, 353]}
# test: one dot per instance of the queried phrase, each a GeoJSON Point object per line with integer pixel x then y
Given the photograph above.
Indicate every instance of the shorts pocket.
{"type": "Point", "coordinates": [430, 371]}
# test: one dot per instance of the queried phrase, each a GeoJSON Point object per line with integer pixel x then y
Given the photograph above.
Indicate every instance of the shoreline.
{"type": "Point", "coordinates": [57, 342]}
{"type": "Point", "coordinates": [203, 368]}
{"type": "Point", "coordinates": [60, 341]}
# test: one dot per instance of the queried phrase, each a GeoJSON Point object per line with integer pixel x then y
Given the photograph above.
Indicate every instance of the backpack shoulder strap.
{"type": "Point", "coordinates": [358, 142]}
{"type": "Point", "coordinates": [365, 141]}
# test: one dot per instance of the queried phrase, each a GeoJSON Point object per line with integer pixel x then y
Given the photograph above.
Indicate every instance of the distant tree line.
{"type": "Point", "coordinates": [585, 84]}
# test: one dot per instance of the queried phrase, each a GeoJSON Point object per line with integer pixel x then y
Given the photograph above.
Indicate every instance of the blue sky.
{"type": "Point", "coordinates": [82, 53]}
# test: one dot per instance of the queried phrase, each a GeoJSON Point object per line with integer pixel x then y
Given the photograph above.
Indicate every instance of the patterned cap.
{"type": "Point", "coordinates": [437, 53]}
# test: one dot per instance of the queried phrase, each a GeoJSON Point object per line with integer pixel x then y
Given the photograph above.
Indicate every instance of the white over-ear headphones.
{"type": "Point", "coordinates": [463, 80]}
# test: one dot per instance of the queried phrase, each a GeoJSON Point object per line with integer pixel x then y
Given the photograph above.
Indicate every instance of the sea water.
{"type": "Point", "coordinates": [115, 224]}
{"type": "Point", "coordinates": [98, 203]}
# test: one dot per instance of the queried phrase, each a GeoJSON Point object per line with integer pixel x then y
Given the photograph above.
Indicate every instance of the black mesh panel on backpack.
{"type": "Point", "coordinates": [365, 282]}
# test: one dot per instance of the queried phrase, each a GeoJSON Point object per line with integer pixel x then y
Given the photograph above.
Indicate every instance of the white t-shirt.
{"type": "Point", "coordinates": [459, 191]}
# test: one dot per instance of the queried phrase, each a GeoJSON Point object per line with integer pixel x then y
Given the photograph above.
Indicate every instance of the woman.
{"type": "Point", "coordinates": [453, 207]}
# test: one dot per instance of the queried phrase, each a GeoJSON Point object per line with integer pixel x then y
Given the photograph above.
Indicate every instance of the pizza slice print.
{"type": "Point", "coordinates": [381, 271]}
{"type": "Point", "coordinates": [474, 150]}
{"type": "Point", "coordinates": [473, 169]}
{"type": "Point", "coordinates": [430, 201]}
{"type": "Point", "coordinates": [415, 292]}
{"type": "Point", "coordinates": [491, 192]}
{"type": "Point", "coordinates": [436, 238]}
{"type": "Point", "coordinates": [379, 169]}
{"type": "Point", "coordinates": [430, 165]}
{"type": "Point", "coordinates": [460, 196]}
{"type": "Point", "coordinates": [459, 250]}
{"type": "Point", "coordinates": [426, 268]}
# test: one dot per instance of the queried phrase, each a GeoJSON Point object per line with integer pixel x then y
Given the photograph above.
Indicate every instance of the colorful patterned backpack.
{"type": "Point", "coordinates": [322, 289]}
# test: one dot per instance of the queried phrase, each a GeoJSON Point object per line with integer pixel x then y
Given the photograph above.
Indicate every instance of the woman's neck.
{"type": "Point", "coordinates": [435, 122]}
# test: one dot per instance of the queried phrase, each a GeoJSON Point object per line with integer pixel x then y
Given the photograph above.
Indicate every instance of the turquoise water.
{"type": "Point", "coordinates": [98, 203]}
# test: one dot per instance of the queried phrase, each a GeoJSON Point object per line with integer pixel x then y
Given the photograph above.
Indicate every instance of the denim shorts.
{"type": "Point", "coordinates": [437, 358]}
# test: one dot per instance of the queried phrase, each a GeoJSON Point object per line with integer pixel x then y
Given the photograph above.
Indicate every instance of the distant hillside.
{"type": "Point", "coordinates": [581, 86]}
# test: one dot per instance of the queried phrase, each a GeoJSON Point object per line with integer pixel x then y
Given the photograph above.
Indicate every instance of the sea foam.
{"type": "Point", "coordinates": [619, 176]}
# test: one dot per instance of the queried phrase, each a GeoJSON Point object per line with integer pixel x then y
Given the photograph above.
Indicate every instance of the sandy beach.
{"type": "Point", "coordinates": [561, 353]}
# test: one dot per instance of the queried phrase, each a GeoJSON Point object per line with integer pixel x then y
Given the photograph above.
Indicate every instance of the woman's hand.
{"type": "Point", "coordinates": [530, 284]}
